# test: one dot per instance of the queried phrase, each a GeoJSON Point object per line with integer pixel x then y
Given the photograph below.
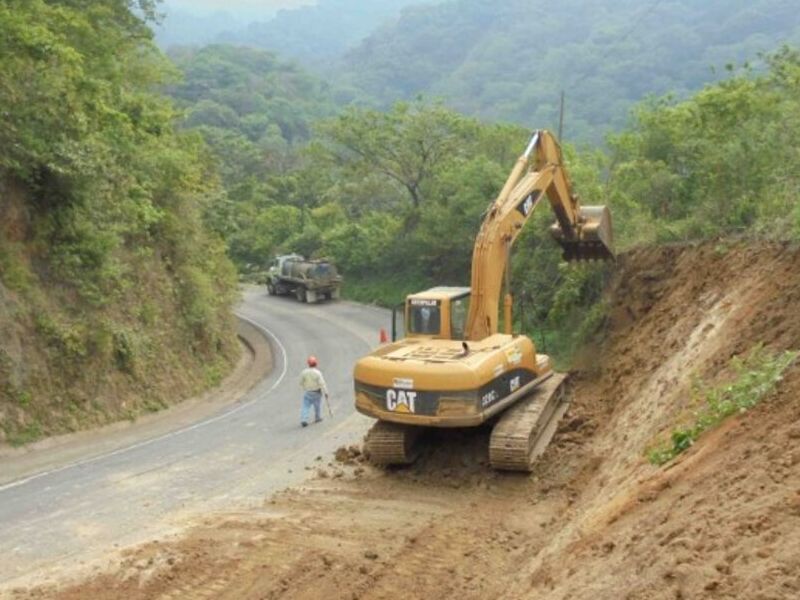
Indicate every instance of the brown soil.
{"type": "Point", "coordinates": [595, 520]}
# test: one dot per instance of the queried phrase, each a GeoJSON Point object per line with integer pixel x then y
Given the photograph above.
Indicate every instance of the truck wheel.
{"type": "Point", "coordinates": [300, 293]}
{"type": "Point", "coordinates": [270, 289]}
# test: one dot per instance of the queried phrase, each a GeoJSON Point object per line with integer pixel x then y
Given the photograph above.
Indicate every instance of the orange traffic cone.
{"type": "Point", "coordinates": [384, 337]}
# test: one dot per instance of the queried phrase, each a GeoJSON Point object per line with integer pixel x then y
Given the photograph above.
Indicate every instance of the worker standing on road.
{"type": "Point", "coordinates": [313, 384]}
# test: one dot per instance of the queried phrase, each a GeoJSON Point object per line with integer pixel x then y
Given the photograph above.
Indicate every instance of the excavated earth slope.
{"type": "Point", "coordinates": [595, 521]}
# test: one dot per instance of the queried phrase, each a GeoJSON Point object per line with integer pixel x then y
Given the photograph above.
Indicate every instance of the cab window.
{"type": "Point", "coordinates": [459, 308]}
{"type": "Point", "coordinates": [424, 318]}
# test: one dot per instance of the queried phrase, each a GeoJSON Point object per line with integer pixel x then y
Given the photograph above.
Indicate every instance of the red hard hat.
{"type": "Point", "coordinates": [312, 361]}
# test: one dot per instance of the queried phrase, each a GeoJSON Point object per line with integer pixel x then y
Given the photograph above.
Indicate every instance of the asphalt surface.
{"type": "Point", "coordinates": [73, 514]}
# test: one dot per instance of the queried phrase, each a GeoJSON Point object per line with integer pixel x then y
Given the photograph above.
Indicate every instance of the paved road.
{"type": "Point", "coordinates": [77, 513]}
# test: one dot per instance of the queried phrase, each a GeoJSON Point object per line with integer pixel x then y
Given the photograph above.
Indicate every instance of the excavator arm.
{"type": "Point", "coordinates": [582, 232]}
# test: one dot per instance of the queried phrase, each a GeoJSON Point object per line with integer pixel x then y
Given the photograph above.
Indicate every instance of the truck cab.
{"type": "Point", "coordinates": [276, 267]}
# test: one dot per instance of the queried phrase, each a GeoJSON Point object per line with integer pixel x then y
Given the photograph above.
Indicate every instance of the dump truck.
{"type": "Point", "coordinates": [308, 280]}
{"type": "Point", "coordinates": [453, 368]}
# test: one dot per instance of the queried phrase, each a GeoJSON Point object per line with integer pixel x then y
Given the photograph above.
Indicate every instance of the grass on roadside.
{"type": "Point", "coordinates": [24, 435]}
{"type": "Point", "coordinates": [757, 374]}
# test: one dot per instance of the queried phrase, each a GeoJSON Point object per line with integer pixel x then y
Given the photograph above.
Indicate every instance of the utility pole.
{"type": "Point", "coordinates": [561, 118]}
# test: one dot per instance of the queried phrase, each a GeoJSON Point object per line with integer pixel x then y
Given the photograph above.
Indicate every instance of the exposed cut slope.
{"type": "Point", "coordinates": [595, 521]}
{"type": "Point", "coordinates": [724, 520]}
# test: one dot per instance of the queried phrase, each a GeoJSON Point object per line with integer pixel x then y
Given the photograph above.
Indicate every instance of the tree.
{"type": "Point", "coordinates": [407, 144]}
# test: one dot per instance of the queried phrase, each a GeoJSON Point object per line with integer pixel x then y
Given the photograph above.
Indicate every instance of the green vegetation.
{"type": "Point", "coordinates": [25, 435]}
{"type": "Point", "coordinates": [396, 197]}
{"type": "Point", "coordinates": [265, 100]}
{"type": "Point", "coordinates": [756, 375]}
{"type": "Point", "coordinates": [397, 193]}
{"type": "Point", "coordinates": [116, 199]}
{"type": "Point", "coordinates": [721, 162]}
{"type": "Point", "coordinates": [254, 111]}
{"type": "Point", "coordinates": [103, 205]}
{"type": "Point", "coordinates": [510, 60]}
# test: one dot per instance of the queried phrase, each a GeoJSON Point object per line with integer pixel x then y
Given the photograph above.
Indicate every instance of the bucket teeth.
{"type": "Point", "coordinates": [591, 239]}
{"type": "Point", "coordinates": [585, 251]}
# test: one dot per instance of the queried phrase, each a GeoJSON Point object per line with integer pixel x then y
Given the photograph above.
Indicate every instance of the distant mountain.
{"type": "Point", "coordinates": [319, 33]}
{"type": "Point", "coordinates": [200, 22]}
{"type": "Point", "coordinates": [510, 60]}
{"type": "Point", "coordinates": [249, 91]}
{"type": "Point", "coordinates": [183, 28]}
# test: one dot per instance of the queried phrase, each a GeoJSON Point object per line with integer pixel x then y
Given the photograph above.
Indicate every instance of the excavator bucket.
{"type": "Point", "coordinates": [593, 239]}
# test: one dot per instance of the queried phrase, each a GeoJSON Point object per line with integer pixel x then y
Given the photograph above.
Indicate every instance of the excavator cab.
{"type": "Point", "coordinates": [438, 313]}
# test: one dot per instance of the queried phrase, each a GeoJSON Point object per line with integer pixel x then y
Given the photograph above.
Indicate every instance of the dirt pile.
{"type": "Point", "coordinates": [596, 520]}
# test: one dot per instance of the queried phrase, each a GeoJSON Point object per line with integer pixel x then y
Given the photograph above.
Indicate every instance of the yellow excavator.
{"type": "Point", "coordinates": [453, 368]}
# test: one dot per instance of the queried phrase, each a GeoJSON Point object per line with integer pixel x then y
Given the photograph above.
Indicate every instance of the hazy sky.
{"type": "Point", "coordinates": [232, 6]}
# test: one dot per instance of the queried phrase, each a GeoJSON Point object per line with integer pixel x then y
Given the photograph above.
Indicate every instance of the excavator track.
{"type": "Point", "coordinates": [523, 431]}
{"type": "Point", "coordinates": [393, 443]}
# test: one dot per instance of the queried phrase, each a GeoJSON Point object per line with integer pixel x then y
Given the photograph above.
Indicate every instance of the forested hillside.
{"type": "Point", "coordinates": [113, 297]}
{"type": "Point", "coordinates": [396, 197]}
{"type": "Point", "coordinates": [320, 32]}
{"type": "Point", "coordinates": [200, 22]}
{"type": "Point", "coordinates": [315, 33]}
{"type": "Point", "coordinates": [511, 60]}
{"type": "Point", "coordinates": [255, 111]}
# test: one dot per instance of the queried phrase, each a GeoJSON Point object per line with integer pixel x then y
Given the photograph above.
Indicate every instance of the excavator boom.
{"type": "Point", "coordinates": [582, 232]}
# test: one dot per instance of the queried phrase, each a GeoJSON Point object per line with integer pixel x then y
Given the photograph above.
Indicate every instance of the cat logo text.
{"type": "Point", "coordinates": [401, 401]}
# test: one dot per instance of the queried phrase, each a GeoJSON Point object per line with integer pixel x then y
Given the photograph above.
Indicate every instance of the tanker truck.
{"type": "Point", "coordinates": [308, 280]}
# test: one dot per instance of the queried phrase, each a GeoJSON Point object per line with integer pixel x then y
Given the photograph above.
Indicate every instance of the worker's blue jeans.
{"type": "Point", "coordinates": [311, 399]}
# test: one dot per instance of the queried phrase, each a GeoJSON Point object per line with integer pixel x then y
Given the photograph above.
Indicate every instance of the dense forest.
{"type": "Point", "coordinates": [199, 22]}
{"type": "Point", "coordinates": [254, 111]}
{"type": "Point", "coordinates": [321, 32]}
{"type": "Point", "coordinates": [396, 196]}
{"type": "Point", "coordinates": [317, 33]}
{"type": "Point", "coordinates": [511, 60]}
{"type": "Point", "coordinates": [114, 298]}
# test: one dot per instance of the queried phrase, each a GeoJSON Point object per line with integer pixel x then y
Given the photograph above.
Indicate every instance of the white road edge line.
{"type": "Point", "coordinates": [175, 433]}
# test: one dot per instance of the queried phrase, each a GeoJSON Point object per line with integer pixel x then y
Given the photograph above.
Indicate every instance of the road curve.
{"type": "Point", "coordinates": [80, 512]}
